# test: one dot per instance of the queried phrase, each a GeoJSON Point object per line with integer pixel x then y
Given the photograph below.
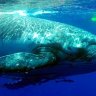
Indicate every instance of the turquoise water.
{"type": "Point", "coordinates": [74, 12]}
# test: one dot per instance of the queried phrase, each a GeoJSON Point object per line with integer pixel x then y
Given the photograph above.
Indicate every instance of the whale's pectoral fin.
{"type": "Point", "coordinates": [54, 48]}
{"type": "Point", "coordinates": [23, 62]}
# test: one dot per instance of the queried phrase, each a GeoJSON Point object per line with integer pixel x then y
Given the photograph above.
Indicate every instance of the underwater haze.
{"type": "Point", "coordinates": [18, 18]}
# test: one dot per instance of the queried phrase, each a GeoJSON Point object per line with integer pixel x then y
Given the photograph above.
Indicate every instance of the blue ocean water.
{"type": "Point", "coordinates": [75, 85]}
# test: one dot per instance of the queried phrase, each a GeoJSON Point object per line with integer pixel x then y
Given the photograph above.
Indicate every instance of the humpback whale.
{"type": "Point", "coordinates": [50, 42]}
{"type": "Point", "coordinates": [40, 43]}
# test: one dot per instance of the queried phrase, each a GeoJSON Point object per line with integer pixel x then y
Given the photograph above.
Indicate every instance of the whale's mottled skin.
{"type": "Point", "coordinates": [53, 41]}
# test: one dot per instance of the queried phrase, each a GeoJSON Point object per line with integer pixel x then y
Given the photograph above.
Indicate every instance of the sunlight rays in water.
{"type": "Point", "coordinates": [68, 6]}
{"type": "Point", "coordinates": [19, 12]}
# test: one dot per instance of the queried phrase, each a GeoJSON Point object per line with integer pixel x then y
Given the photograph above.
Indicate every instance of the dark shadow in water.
{"type": "Point", "coordinates": [57, 73]}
